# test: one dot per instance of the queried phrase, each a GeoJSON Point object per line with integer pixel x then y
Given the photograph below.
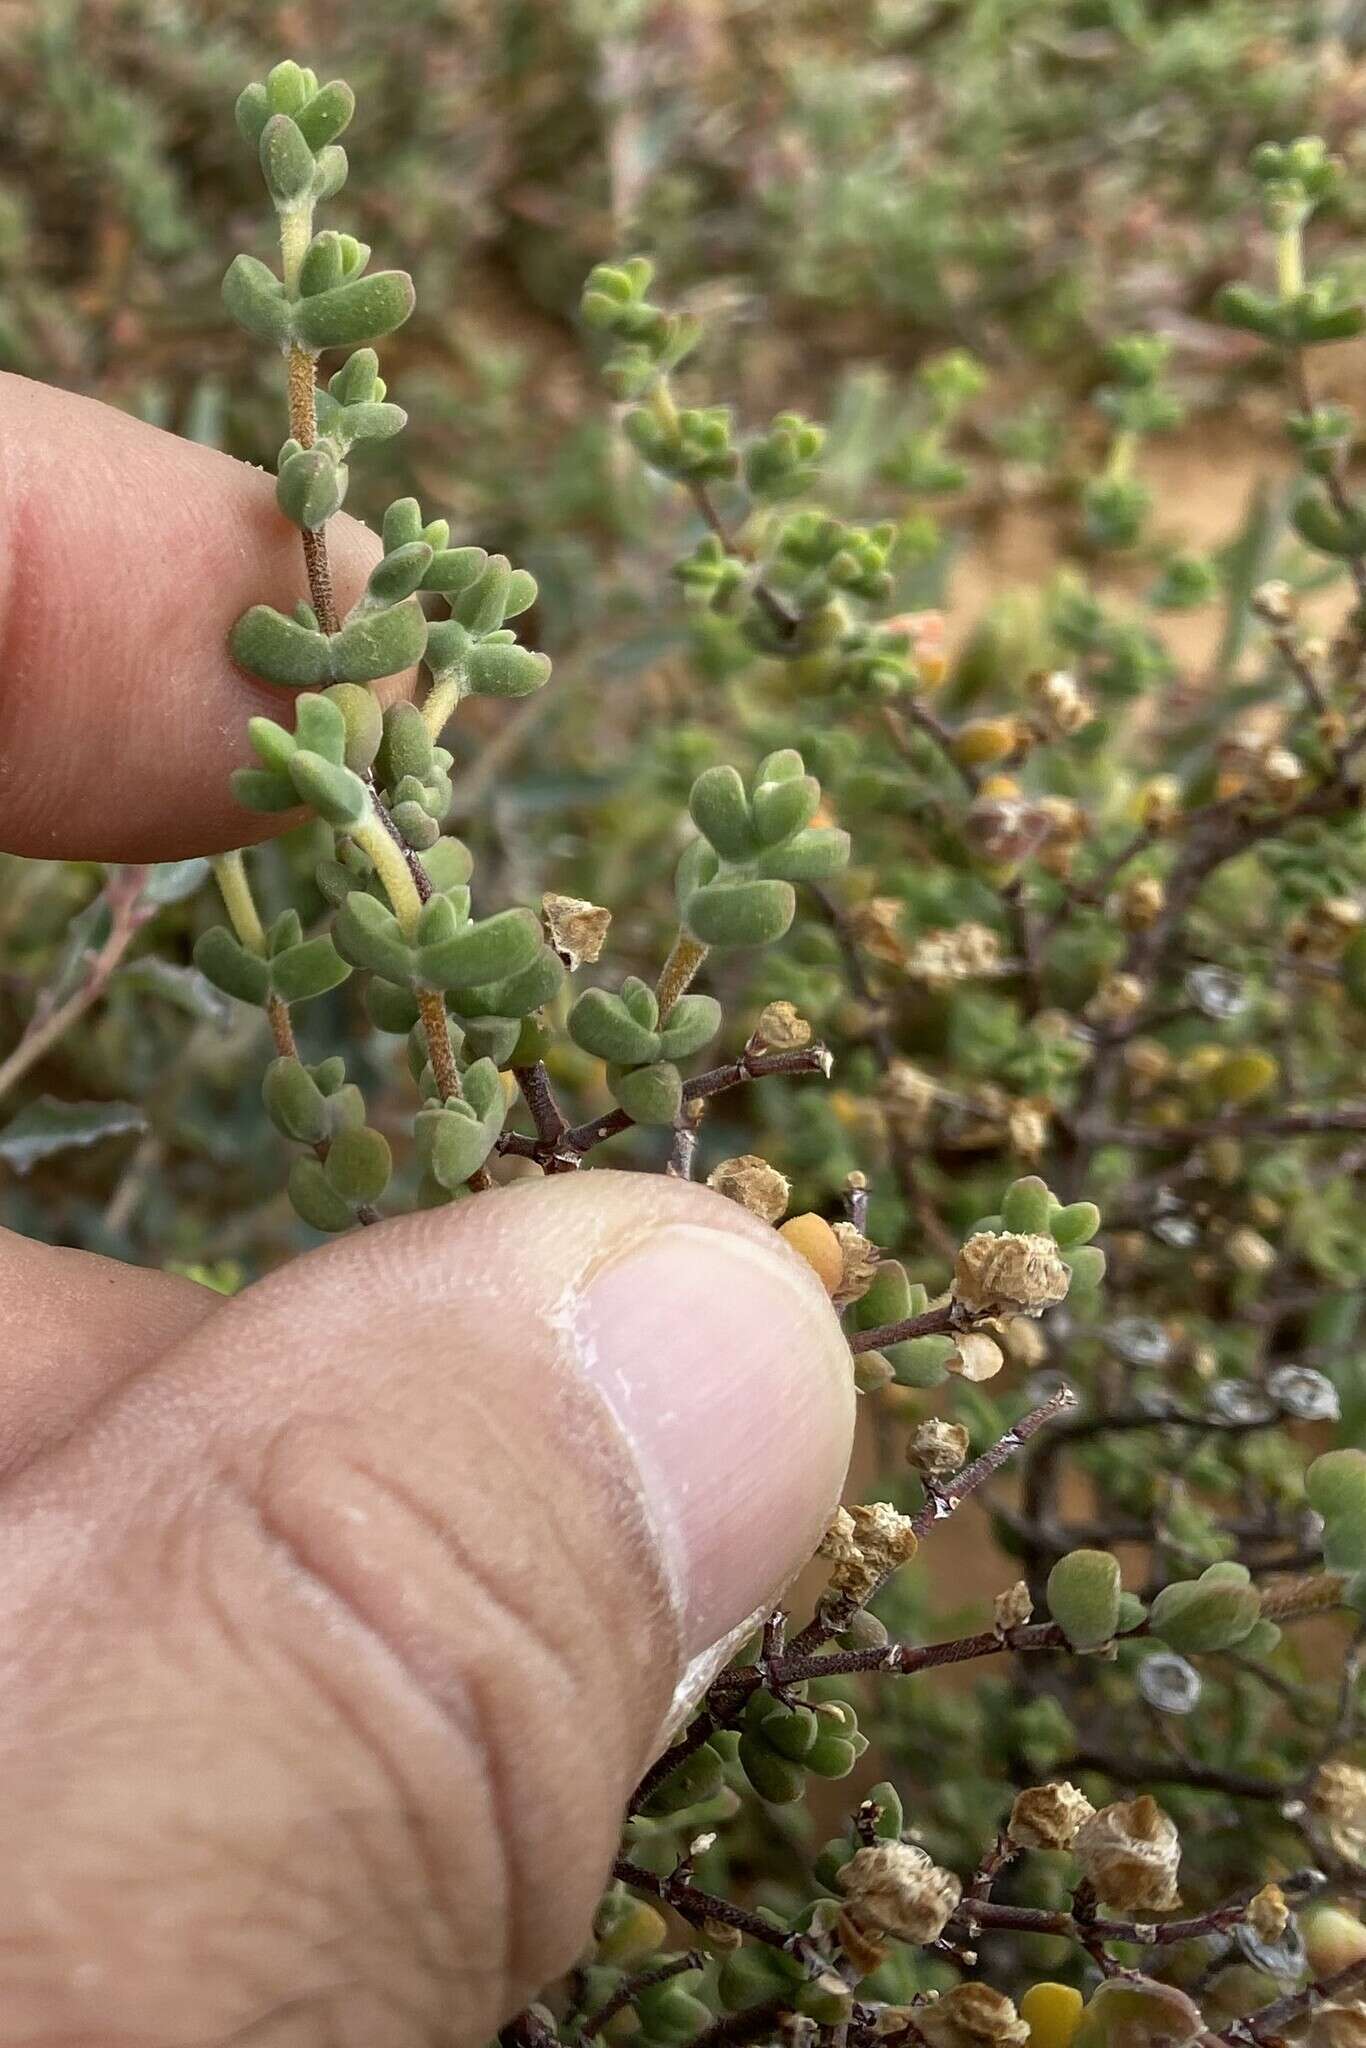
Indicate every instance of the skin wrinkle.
{"type": "Point", "coordinates": [354, 1402]}
{"type": "Point", "coordinates": [468, 1726]}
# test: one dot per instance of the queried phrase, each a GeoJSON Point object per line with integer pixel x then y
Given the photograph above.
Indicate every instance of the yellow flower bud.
{"type": "Point", "coordinates": [811, 1237]}
{"type": "Point", "coordinates": [1052, 2013]}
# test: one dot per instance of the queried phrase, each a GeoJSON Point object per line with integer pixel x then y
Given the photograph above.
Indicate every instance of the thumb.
{"type": "Point", "coordinates": [337, 1640]}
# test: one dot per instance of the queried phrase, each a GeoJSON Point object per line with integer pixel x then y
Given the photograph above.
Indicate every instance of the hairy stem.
{"type": "Point", "coordinates": [685, 957]}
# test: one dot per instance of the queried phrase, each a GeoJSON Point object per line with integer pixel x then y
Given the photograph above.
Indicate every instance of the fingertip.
{"type": "Point", "coordinates": [130, 553]}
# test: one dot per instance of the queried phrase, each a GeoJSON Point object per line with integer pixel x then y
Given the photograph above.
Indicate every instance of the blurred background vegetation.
{"type": "Point", "coordinates": [850, 190]}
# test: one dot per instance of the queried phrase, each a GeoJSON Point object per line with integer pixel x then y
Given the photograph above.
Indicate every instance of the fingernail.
{"type": "Point", "coordinates": [725, 1367]}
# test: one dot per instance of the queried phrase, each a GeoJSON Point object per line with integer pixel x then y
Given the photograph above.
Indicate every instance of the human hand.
{"type": "Point", "coordinates": [341, 1616]}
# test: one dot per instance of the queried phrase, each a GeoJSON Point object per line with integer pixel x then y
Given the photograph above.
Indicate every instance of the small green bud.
{"type": "Point", "coordinates": [773, 1777]}
{"type": "Point", "coordinates": [315, 1199]}
{"type": "Point", "coordinates": [330, 174]}
{"type": "Point", "coordinates": [628, 1931]}
{"type": "Point", "coordinates": [294, 1102]}
{"type": "Point", "coordinates": [784, 808]}
{"type": "Point", "coordinates": [1131, 1613]}
{"type": "Point", "coordinates": [288, 85]}
{"type": "Point", "coordinates": [286, 161]}
{"type": "Point", "coordinates": [449, 864]}
{"type": "Point", "coordinates": [697, 1778]}
{"type": "Point", "coordinates": [360, 710]}
{"type": "Point", "coordinates": [273, 747]}
{"type": "Point", "coordinates": [319, 726]}
{"type": "Point", "coordinates": [402, 523]}
{"type": "Point", "coordinates": [652, 1095]}
{"type": "Point", "coordinates": [720, 811]}
{"type": "Point", "coordinates": [693, 1022]}
{"type": "Point", "coordinates": [285, 931]}
{"type": "Point", "coordinates": [310, 487]}
{"type": "Point", "coordinates": [1212, 1612]}
{"type": "Point", "coordinates": [602, 1024]}
{"type": "Point", "coordinates": [669, 2014]}
{"type": "Point", "coordinates": [323, 267]}
{"type": "Point", "coordinates": [406, 748]}
{"type": "Point", "coordinates": [482, 607]}
{"type": "Point", "coordinates": [358, 382]}
{"type": "Point", "coordinates": [415, 824]}
{"type": "Point", "coordinates": [454, 1139]}
{"type": "Point", "coordinates": [1027, 1206]}
{"type": "Point", "coordinates": [1083, 1597]}
{"type": "Point", "coordinates": [792, 1731]}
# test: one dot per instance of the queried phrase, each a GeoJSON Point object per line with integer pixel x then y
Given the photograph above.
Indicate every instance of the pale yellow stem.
{"type": "Point", "coordinates": [230, 873]}
{"type": "Point", "coordinates": [1290, 261]}
{"type": "Point", "coordinates": [392, 869]}
{"type": "Point", "coordinates": [439, 704]}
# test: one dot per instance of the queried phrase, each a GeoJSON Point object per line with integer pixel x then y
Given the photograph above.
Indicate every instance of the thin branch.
{"type": "Point", "coordinates": [51, 1021]}
{"type": "Point", "coordinates": [627, 1992]}
{"type": "Point", "coordinates": [931, 1322]}
{"type": "Point", "coordinates": [728, 1695]}
{"type": "Point", "coordinates": [833, 1616]}
{"type": "Point", "coordinates": [1274, 2019]}
{"type": "Point", "coordinates": [1293, 1123]}
{"type": "Point", "coordinates": [694, 1905]}
{"type": "Point", "coordinates": [751, 1066]}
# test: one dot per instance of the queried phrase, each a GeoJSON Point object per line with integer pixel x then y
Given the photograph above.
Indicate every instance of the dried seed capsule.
{"type": "Point", "coordinates": [1131, 1851]}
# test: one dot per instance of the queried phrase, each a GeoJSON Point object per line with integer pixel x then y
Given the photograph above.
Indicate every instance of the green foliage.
{"type": "Point", "coordinates": [1069, 882]}
{"type": "Point", "coordinates": [1083, 1597]}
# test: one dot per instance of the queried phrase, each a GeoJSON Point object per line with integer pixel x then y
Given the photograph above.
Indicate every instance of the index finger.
{"type": "Point", "coordinates": [125, 556]}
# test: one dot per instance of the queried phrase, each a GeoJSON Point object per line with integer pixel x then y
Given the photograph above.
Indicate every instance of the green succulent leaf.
{"type": "Point", "coordinates": [740, 913]}
{"type": "Point", "coordinates": [280, 650]}
{"type": "Point", "coordinates": [363, 309]}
